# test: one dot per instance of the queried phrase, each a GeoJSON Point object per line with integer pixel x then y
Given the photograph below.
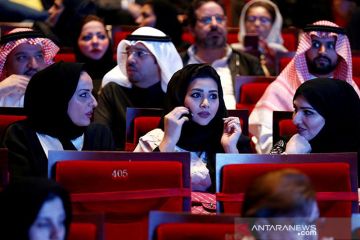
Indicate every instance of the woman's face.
{"type": "Point", "coordinates": [258, 21]}
{"type": "Point", "coordinates": [82, 103]}
{"type": "Point", "coordinates": [147, 17]}
{"type": "Point", "coordinates": [50, 222]}
{"type": "Point", "coordinates": [306, 119]}
{"type": "Point", "coordinates": [202, 98]}
{"type": "Point", "coordinates": [93, 40]}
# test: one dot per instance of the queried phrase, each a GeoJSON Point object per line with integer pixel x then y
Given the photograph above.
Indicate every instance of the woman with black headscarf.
{"type": "Point", "coordinates": [327, 117]}
{"type": "Point", "coordinates": [59, 107]}
{"type": "Point", "coordinates": [93, 47]}
{"type": "Point", "coordinates": [33, 209]}
{"type": "Point", "coordinates": [196, 120]}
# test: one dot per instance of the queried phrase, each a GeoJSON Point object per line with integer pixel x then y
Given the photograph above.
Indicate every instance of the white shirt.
{"type": "Point", "coordinates": [51, 143]}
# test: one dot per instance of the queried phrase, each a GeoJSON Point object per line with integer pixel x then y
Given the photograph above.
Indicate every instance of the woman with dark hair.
{"type": "Point", "coordinates": [196, 120]}
{"type": "Point", "coordinates": [34, 209]}
{"type": "Point", "coordinates": [93, 47]}
{"type": "Point", "coordinates": [327, 117]}
{"type": "Point", "coordinates": [59, 106]}
{"type": "Point", "coordinates": [162, 15]}
{"type": "Point", "coordinates": [262, 18]}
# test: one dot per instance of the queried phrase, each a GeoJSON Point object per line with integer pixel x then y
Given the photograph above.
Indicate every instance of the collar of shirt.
{"type": "Point", "coordinates": [217, 63]}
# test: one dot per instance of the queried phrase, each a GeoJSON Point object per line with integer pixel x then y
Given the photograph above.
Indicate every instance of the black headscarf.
{"type": "Point", "coordinates": [195, 137]}
{"type": "Point", "coordinates": [47, 97]}
{"type": "Point", "coordinates": [337, 102]}
{"type": "Point", "coordinates": [21, 202]}
{"type": "Point", "coordinates": [96, 68]}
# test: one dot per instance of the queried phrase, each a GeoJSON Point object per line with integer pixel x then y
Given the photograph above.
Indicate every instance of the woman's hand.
{"type": "Point", "coordinates": [231, 133]}
{"type": "Point", "coordinates": [298, 144]}
{"type": "Point", "coordinates": [173, 122]}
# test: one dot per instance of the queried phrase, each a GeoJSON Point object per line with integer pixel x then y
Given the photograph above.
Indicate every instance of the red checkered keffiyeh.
{"type": "Point", "coordinates": [49, 48]}
{"type": "Point", "coordinates": [279, 95]}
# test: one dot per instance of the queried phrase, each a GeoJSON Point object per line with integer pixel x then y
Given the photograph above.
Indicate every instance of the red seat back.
{"type": "Point", "coordinates": [66, 57]}
{"type": "Point", "coordinates": [283, 127]}
{"type": "Point", "coordinates": [143, 125]}
{"type": "Point", "coordinates": [9, 115]}
{"type": "Point", "coordinates": [87, 226]}
{"type": "Point", "coordinates": [329, 174]}
{"type": "Point", "coordinates": [164, 225]}
{"type": "Point", "coordinates": [356, 65]}
{"type": "Point", "coordinates": [127, 187]}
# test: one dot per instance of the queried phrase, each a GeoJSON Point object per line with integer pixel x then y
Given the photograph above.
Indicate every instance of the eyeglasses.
{"type": "Point", "coordinates": [208, 19]}
{"type": "Point", "coordinates": [138, 53]}
{"type": "Point", "coordinates": [262, 19]}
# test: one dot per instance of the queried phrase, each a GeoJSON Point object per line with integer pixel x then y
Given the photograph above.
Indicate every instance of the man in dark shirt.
{"type": "Point", "coordinates": [146, 61]}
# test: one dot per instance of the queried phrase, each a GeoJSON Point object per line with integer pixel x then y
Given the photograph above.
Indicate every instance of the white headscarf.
{"type": "Point", "coordinates": [275, 32]}
{"type": "Point", "coordinates": [165, 54]}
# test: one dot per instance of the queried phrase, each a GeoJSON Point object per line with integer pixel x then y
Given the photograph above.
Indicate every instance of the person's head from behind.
{"type": "Point", "coordinates": [259, 18]}
{"type": "Point", "coordinates": [198, 88]}
{"type": "Point", "coordinates": [208, 23]}
{"type": "Point", "coordinates": [327, 114]}
{"type": "Point", "coordinates": [58, 99]}
{"type": "Point", "coordinates": [25, 52]}
{"type": "Point", "coordinates": [327, 40]}
{"type": "Point", "coordinates": [281, 193]}
{"type": "Point", "coordinates": [93, 40]}
{"type": "Point", "coordinates": [144, 57]}
{"type": "Point", "coordinates": [35, 209]}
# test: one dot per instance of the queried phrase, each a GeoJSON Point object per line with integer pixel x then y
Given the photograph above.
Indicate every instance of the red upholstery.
{"type": "Point", "coordinates": [250, 93]}
{"type": "Point", "coordinates": [165, 225]}
{"type": "Point", "coordinates": [356, 65]}
{"type": "Point", "coordinates": [142, 125]}
{"type": "Point", "coordinates": [83, 231]}
{"type": "Point", "coordinates": [284, 62]}
{"type": "Point", "coordinates": [290, 41]}
{"type": "Point", "coordinates": [287, 128]}
{"type": "Point", "coordinates": [129, 189]}
{"type": "Point", "coordinates": [208, 231]}
{"type": "Point", "coordinates": [66, 57]}
{"type": "Point", "coordinates": [326, 177]}
{"type": "Point", "coordinates": [6, 120]}
{"type": "Point", "coordinates": [120, 35]}
{"type": "Point", "coordinates": [357, 80]}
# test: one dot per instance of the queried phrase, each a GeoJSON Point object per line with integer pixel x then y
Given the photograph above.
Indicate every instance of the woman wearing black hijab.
{"type": "Point", "coordinates": [196, 120]}
{"type": "Point", "coordinates": [33, 209]}
{"type": "Point", "coordinates": [327, 116]}
{"type": "Point", "coordinates": [59, 107]}
{"type": "Point", "coordinates": [93, 47]}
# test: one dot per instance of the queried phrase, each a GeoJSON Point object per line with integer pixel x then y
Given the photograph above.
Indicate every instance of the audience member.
{"type": "Point", "coordinates": [323, 51]}
{"type": "Point", "coordinates": [196, 120]}
{"type": "Point", "coordinates": [146, 61]}
{"type": "Point", "coordinates": [283, 196]}
{"type": "Point", "coordinates": [208, 24]}
{"type": "Point", "coordinates": [262, 18]}
{"type": "Point", "coordinates": [93, 48]}
{"type": "Point", "coordinates": [327, 117]}
{"type": "Point", "coordinates": [64, 17]}
{"type": "Point", "coordinates": [35, 209]}
{"type": "Point", "coordinates": [23, 52]}
{"type": "Point", "coordinates": [59, 106]}
{"type": "Point", "coordinates": [162, 15]}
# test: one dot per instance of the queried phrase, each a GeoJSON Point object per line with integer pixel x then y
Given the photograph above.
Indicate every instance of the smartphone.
{"type": "Point", "coordinates": [251, 42]}
{"type": "Point", "coordinates": [189, 115]}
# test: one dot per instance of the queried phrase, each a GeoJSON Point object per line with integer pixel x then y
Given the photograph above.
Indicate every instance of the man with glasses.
{"type": "Point", "coordinates": [208, 25]}
{"type": "Point", "coordinates": [323, 52]}
{"type": "Point", "coordinates": [23, 52]}
{"type": "Point", "coordinates": [146, 61]}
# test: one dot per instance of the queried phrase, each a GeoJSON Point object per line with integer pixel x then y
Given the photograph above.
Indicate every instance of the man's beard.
{"type": "Point", "coordinates": [321, 68]}
{"type": "Point", "coordinates": [214, 39]}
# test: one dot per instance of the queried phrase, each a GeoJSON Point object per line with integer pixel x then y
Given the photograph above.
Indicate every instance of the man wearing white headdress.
{"type": "Point", "coordinates": [146, 61]}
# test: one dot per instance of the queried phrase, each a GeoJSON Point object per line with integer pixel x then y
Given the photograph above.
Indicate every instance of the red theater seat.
{"type": "Point", "coordinates": [9, 115]}
{"type": "Point", "coordinates": [66, 57]}
{"type": "Point", "coordinates": [291, 38]}
{"type": "Point", "coordinates": [250, 93]}
{"type": "Point", "coordinates": [176, 226]}
{"type": "Point", "coordinates": [87, 226]}
{"type": "Point", "coordinates": [283, 127]}
{"type": "Point", "coordinates": [125, 186]}
{"type": "Point", "coordinates": [334, 177]}
{"type": "Point", "coordinates": [139, 121]}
